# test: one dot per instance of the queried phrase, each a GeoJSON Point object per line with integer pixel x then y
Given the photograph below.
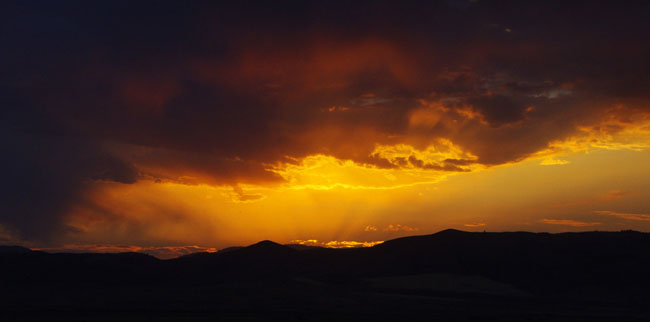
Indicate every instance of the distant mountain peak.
{"type": "Point", "coordinates": [266, 243]}
{"type": "Point", "coordinates": [268, 246]}
{"type": "Point", "coordinates": [451, 231]}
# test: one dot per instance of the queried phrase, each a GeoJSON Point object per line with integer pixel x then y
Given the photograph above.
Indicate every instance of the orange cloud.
{"type": "Point", "coordinates": [162, 252]}
{"type": "Point", "coordinates": [629, 216]}
{"type": "Point", "coordinates": [336, 243]}
{"type": "Point", "coordinates": [569, 222]}
{"type": "Point", "coordinates": [610, 195]}
{"type": "Point", "coordinates": [399, 227]}
{"type": "Point", "coordinates": [240, 196]}
{"type": "Point", "coordinates": [300, 109]}
{"type": "Point", "coordinates": [554, 162]}
{"type": "Point", "coordinates": [614, 194]}
{"type": "Point", "coordinates": [321, 172]}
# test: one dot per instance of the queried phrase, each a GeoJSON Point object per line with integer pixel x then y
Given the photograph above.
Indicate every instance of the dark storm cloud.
{"type": "Point", "coordinates": [123, 90]}
{"type": "Point", "coordinates": [498, 109]}
{"type": "Point", "coordinates": [43, 175]}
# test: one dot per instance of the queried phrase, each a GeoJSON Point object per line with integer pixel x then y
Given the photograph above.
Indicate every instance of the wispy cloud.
{"type": "Point", "coordinates": [569, 222]}
{"type": "Point", "coordinates": [629, 216]}
{"type": "Point", "coordinates": [163, 252]}
{"type": "Point", "coordinates": [614, 194]}
{"type": "Point", "coordinates": [473, 225]}
{"type": "Point", "coordinates": [399, 227]}
{"type": "Point", "coordinates": [607, 196]}
{"type": "Point", "coordinates": [351, 244]}
{"type": "Point", "coordinates": [337, 243]}
{"type": "Point", "coordinates": [390, 227]}
{"type": "Point", "coordinates": [554, 162]}
{"type": "Point", "coordinates": [240, 196]}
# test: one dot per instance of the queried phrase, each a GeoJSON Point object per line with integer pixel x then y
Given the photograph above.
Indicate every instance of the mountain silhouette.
{"type": "Point", "coordinates": [551, 274]}
{"type": "Point", "coordinates": [14, 249]}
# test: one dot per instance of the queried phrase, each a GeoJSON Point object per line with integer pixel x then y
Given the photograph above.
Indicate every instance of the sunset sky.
{"type": "Point", "coordinates": [177, 126]}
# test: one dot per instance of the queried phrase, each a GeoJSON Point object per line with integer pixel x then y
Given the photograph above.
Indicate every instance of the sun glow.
{"type": "Point", "coordinates": [337, 243]}
{"type": "Point", "coordinates": [400, 190]}
{"type": "Point", "coordinates": [320, 172]}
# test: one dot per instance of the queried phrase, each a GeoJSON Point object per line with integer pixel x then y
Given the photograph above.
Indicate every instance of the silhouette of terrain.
{"type": "Point", "coordinates": [14, 249]}
{"type": "Point", "coordinates": [451, 276]}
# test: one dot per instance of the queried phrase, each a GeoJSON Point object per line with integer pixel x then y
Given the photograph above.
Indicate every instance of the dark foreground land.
{"type": "Point", "coordinates": [448, 276]}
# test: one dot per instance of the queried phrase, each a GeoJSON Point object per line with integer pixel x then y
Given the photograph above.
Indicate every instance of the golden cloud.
{"type": "Point", "coordinates": [399, 227]}
{"type": "Point", "coordinates": [569, 222]}
{"type": "Point", "coordinates": [553, 162]}
{"type": "Point", "coordinates": [321, 172]}
{"type": "Point", "coordinates": [162, 252]}
{"type": "Point", "coordinates": [336, 243]}
{"type": "Point", "coordinates": [624, 215]}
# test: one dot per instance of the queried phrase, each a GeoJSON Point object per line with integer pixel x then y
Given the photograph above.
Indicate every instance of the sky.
{"type": "Point", "coordinates": [175, 126]}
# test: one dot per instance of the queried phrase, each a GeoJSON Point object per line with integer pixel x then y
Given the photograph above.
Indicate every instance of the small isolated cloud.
{"type": "Point", "coordinates": [614, 194]}
{"type": "Point", "coordinates": [610, 195]}
{"type": "Point", "coordinates": [370, 228]}
{"type": "Point", "coordinates": [569, 222]}
{"type": "Point", "coordinates": [479, 224]}
{"type": "Point", "coordinates": [338, 108]}
{"type": "Point", "coordinates": [399, 227]}
{"type": "Point", "coordinates": [240, 196]}
{"type": "Point", "coordinates": [553, 162]}
{"type": "Point", "coordinates": [629, 216]}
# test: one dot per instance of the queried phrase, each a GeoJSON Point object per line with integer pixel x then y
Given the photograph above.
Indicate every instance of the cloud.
{"type": "Point", "coordinates": [569, 222]}
{"type": "Point", "coordinates": [614, 195]}
{"type": "Point", "coordinates": [399, 227]}
{"type": "Point", "coordinates": [474, 225]}
{"type": "Point", "coordinates": [8, 238]}
{"type": "Point", "coordinates": [554, 162]}
{"type": "Point", "coordinates": [244, 197]}
{"type": "Point", "coordinates": [45, 175]}
{"type": "Point", "coordinates": [228, 94]}
{"type": "Point", "coordinates": [498, 110]}
{"type": "Point", "coordinates": [337, 243]}
{"type": "Point", "coordinates": [628, 216]}
{"type": "Point", "coordinates": [162, 252]}
{"type": "Point", "coordinates": [608, 196]}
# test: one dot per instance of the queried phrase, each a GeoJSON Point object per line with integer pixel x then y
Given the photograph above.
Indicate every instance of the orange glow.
{"type": "Point", "coordinates": [336, 243]}
{"type": "Point", "coordinates": [569, 222]}
{"type": "Point", "coordinates": [320, 172]}
{"type": "Point", "coordinates": [629, 216]}
{"type": "Point", "coordinates": [611, 134]}
{"type": "Point", "coordinates": [163, 252]}
{"type": "Point", "coordinates": [400, 189]}
{"type": "Point", "coordinates": [324, 198]}
{"type": "Point", "coordinates": [239, 123]}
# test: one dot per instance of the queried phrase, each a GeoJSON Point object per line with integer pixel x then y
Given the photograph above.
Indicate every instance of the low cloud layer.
{"type": "Point", "coordinates": [569, 222]}
{"type": "Point", "coordinates": [162, 252]}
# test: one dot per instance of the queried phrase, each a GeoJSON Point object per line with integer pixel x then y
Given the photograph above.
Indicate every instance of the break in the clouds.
{"type": "Point", "coordinates": [232, 94]}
